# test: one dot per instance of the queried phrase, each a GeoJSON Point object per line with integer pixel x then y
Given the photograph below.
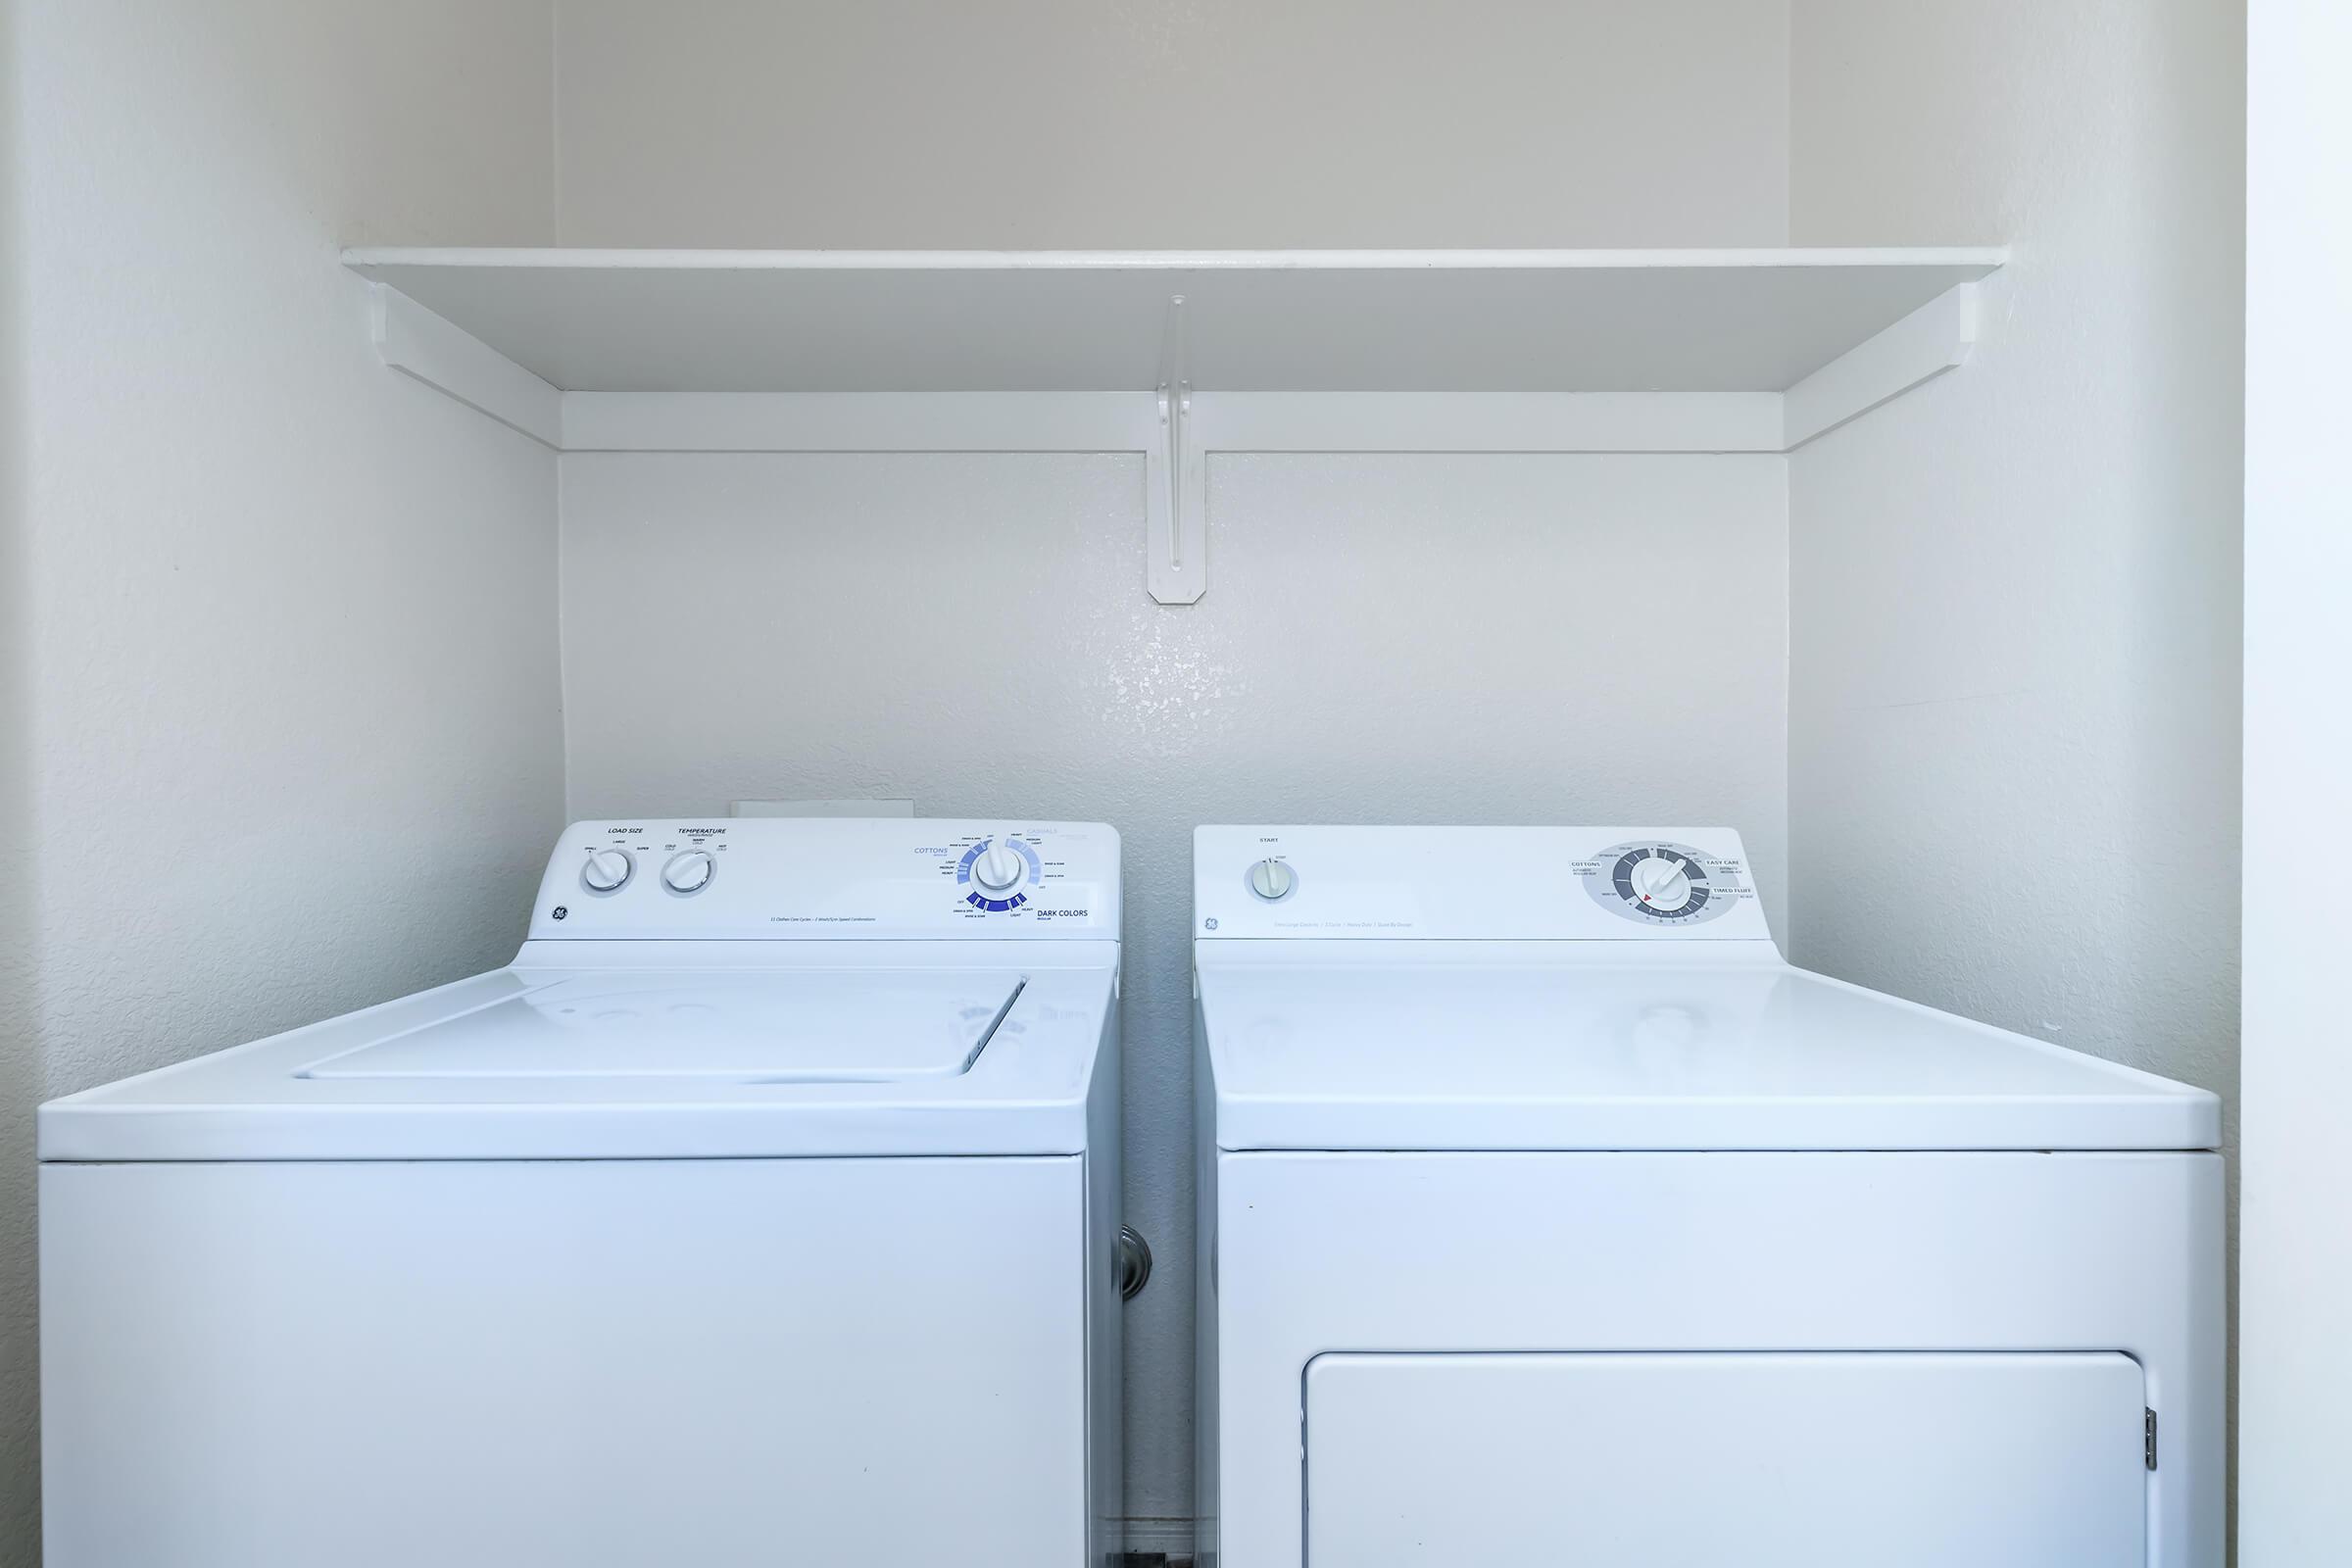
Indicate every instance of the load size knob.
{"type": "Point", "coordinates": [688, 871]}
{"type": "Point", "coordinates": [1271, 879]}
{"type": "Point", "coordinates": [999, 868]}
{"type": "Point", "coordinates": [606, 870]}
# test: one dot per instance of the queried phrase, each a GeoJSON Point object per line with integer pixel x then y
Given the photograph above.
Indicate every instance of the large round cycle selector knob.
{"type": "Point", "coordinates": [1664, 883]}
{"type": "Point", "coordinates": [999, 868]}
{"type": "Point", "coordinates": [607, 870]}
{"type": "Point", "coordinates": [688, 871]}
{"type": "Point", "coordinates": [1270, 879]}
{"type": "Point", "coordinates": [1661, 881]}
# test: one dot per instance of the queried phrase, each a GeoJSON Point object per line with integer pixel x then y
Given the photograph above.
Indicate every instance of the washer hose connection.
{"type": "Point", "coordinates": [1134, 1263]}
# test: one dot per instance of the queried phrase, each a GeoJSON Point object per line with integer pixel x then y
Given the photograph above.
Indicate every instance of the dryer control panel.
{"type": "Point", "coordinates": [828, 878]}
{"type": "Point", "coordinates": [1475, 883]}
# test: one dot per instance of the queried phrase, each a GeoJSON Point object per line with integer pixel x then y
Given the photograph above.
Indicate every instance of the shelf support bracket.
{"type": "Point", "coordinates": [417, 342]}
{"type": "Point", "coordinates": [1933, 339]}
{"type": "Point", "coordinates": [1176, 505]}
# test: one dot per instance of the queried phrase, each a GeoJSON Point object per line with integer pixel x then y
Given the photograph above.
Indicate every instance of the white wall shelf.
{"type": "Point", "coordinates": [1648, 351]}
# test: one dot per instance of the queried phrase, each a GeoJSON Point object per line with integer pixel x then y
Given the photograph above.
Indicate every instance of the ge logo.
{"type": "Point", "coordinates": [561, 911]}
{"type": "Point", "coordinates": [1210, 922]}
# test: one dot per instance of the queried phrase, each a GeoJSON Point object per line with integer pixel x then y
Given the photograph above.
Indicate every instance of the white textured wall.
{"type": "Point", "coordinates": [1141, 122]}
{"type": "Point", "coordinates": [2014, 594]}
{"type": "Point", "coordinates": [19, 1067]}
{"type": "Point", "coordinates": [2295, 1361]}
{"type": "Point", "coordinates": [288, 640]}
{"type": "Point", "coordinates": [1400, 639]}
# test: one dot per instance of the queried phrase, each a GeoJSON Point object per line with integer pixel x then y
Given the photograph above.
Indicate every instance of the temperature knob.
{"type": "Point", "coordinates": [1270, 879]}
{"type": "Point", "coordinates": [688, 872]}
{"type": "Point", "coordinates": [607, 870]}
{"type": "Point", "coordinates": [999, 868]}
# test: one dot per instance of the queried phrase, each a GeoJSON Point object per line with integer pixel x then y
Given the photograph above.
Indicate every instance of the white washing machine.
{"type": "Point", "coordinates": [1549, 1216]}
{"type": "Point", "coordinates": [763, 1210]}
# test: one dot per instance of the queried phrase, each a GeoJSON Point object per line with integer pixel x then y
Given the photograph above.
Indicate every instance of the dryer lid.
{"type": "Point", "coordinates": [1392, 1051]}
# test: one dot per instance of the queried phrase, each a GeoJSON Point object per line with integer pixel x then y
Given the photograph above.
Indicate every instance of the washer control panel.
{"type": "Point", "coordinates": [833, 878]}
{"type": "Point", "coordinates": [1474, 883]}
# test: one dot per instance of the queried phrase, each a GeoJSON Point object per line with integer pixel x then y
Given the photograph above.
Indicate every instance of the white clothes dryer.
{"type": "Point", "coordinates": [1547, 1215]}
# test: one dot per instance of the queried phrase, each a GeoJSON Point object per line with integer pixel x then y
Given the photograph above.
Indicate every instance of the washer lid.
{"type": "Point", "coordinates": [1395, 1051]}
{"type": "Point", "coordinates": [802, 1026]}
{"type": "Point", "coordinates": [585, 1051]}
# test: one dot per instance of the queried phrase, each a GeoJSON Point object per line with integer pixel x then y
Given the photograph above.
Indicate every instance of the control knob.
{"type": "Point", "coordinates": [1272, 879]}
{"type": "Point", "coordinates": [999, 868]}
{"type": "Point", "coordinates": [607, 870]}
{"type": "Point", "coordinates": [688, 871]}
{"type": "Point", "coordinates": [1662, 882]}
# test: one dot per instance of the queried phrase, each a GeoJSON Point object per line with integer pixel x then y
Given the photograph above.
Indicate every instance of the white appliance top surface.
{"type": "Point", "coordinates": [1592, 989]}
{"type": "Point", "coordinates": [813, 1026]}
{"type": "Point", "coordinates": [805, 987]}
{"type": "Point", "coordinates": [1358, 1048]}
{"type": "Point", "coordinates": [728, 1050]}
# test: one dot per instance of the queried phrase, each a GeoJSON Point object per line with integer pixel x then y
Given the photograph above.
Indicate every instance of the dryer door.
{"type": "Point", "coordinates": [1856, 1460]}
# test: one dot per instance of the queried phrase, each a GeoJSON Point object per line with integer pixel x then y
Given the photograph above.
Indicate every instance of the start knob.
{"type": "Point", "coordinates": [1271, 879]}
